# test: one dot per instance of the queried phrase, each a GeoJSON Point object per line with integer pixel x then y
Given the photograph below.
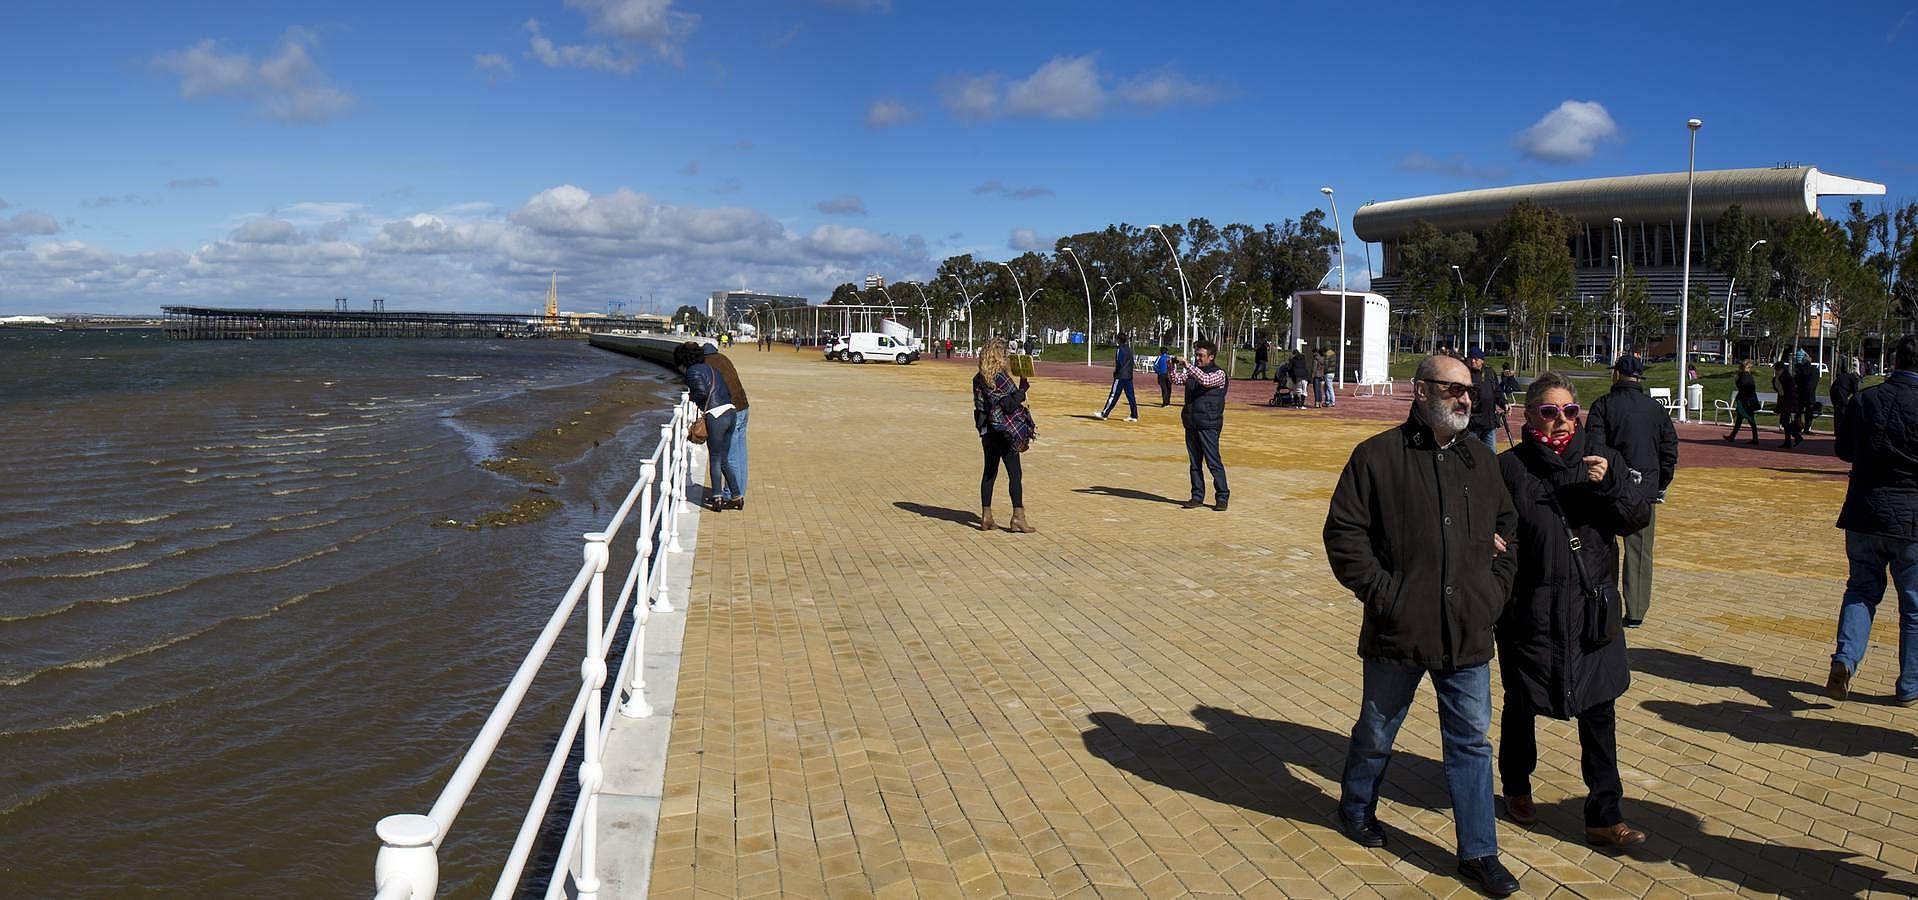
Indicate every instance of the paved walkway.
{"type": "Point", "coordinates": [876, 699]}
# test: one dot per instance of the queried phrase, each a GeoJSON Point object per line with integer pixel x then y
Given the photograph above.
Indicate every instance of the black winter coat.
{"type": "Point", "coordinates": [1631, 422]}
{"type": "Point", "coordinates": [1409, 532]}
{"type": "Point", "coordinates": [1541, 659]}
{"type": "Point", "coordinates": [1487, 402]}
{"type": "Point", "coordinates": [1880, 440]}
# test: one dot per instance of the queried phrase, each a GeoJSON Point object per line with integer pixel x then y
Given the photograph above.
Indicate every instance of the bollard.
{"type": "Point", "coordinates": [592, 673]}
{"type": "Point", "coordinates": [408, 859]}
{"type": "Point", "coordinates": [636, 706]}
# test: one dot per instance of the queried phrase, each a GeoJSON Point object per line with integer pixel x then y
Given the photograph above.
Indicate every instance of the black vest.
{"type": "Point", "coordinates": [1204, 406]}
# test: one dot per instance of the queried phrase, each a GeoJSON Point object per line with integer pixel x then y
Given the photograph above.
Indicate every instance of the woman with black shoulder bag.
{"type": "Point", "coordinates": [1005, 429]}
{"type": "Point", "coordinates": [1561, 642]}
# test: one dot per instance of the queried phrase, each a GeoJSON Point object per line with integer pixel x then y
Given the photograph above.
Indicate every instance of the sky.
{"type": "Point", "coordinates": [452, 155]}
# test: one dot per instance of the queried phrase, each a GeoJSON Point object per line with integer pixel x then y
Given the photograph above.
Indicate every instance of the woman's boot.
{"type": "Point", "coordinates": [985, 518]}
{"type": "Point", "coordinates": [1019, 521]}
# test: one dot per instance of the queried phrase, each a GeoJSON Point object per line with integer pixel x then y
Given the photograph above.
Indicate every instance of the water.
{"type": "Point", "coordinates": [232, 636]}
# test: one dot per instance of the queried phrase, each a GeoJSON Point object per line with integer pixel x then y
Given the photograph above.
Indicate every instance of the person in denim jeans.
{"type": "Point", "coordinates": [1880, 518]}
{"type": "Point", "coordinates": [1417, 530]}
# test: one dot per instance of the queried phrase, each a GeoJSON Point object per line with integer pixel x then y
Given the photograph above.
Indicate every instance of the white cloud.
{"type": "Point", "coordinates": [466, 256]}
{"type": "Point", "coordinates": [493, 65]}
{"type": "Point", "coordinates": [1066, 87]}
{"type": "Point", "coordinates": [1165, 87]}
{"type": "Point", "coordinates": [1023, 193]}
{"type": "Point", "coordinates": [848, 205]}
{"type": "Point", "coordinates": [886, 112]}
{"type": "Point", "coordinates": [1569, 133]}
{"type": "Point", "coordinates": [286, 86]}
{"type": "Point", "coordinates": [1025, 239]}
{"type": "Point", "coordinates": [183, 184]}
{"type": "Point", "coordinates": [651, 22]}
{"type": "Point", "coordinates": [971, 99]}
{"type": "Point", "coordinates": [576, 56]}
{"type": "Point", "coordinates": [105, 200]}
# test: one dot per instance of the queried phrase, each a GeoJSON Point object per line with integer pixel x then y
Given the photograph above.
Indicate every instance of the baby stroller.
{"type": "Point", "coordinates": [1284, 397]}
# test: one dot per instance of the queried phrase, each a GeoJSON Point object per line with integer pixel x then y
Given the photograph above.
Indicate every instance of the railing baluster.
{"type": "Point", "coordinates": [669, 513]}
{"type": "Point", "coordinates": [636, 705]}
{"type": "Point", "coordinates": [408, 867]}
{"type": "Point", "coordinates": [592, 671]}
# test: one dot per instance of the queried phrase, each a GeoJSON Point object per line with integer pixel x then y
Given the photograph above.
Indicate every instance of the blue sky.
{"type": "Point", "coordinates": [451, 154]}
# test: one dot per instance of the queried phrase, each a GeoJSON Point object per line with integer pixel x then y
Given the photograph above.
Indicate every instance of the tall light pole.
{"type": "Point", "coordinates": [925, 306]}
{"type": "Point", "coordinates": [1185, 295]}
{"type": "Point", "coordinates": [970, 347]}
{"type": "Point", "coordinates": [1339, 229]}
{"type": "Point", "coordinates": [1207, 291]}
{"type": "Point", "coordinates": [1021, 291]}
{"type": "Point", "coordinates": [1088, 287]}
{"type": "Point", "coordinates": [1618, 276]}
{"type": "Point", "coordinates": [1728, 302]}
{"type": "Point", "coordinates": [1486, 292]}
{"type": "Point", "coordinates": [1685, 283]}
{"type": "Point", "coordinates": [1110, 289]}
{"type": "Point", "coordinates": [1463, 314]}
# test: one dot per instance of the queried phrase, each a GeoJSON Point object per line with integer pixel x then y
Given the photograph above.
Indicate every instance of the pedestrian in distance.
{"type": "Point", "coordinates": [1805, 375]}
{"type": "Point", "coordinates": [1561, 649]}
{"type": "Point", "coordinates": [1331, 376]}
{"type": "Point", "coordinates": [1319, 399]}
{"type": "Point", "coordinates": [1203, 417]}
{"type": "Point", "coordinates": [1507, 389]}
{"type": "Point", "coordinates": [1629, 421]}
{"type": "Point", "coordinates": [736, 441]}
{"type": "Point", "coordinates": [1488, 405]}
{"type": "Point", "coordinates": [1417, 530]}
{"type": "Point", "coordinates": [1260, 357]}
{"type": "Point", "coordinates": [1301, 375]}
{"type": "Point", "coordinates": [1162, 367]}
{"type": "Point", "coordinates": [1844, 386]}
{"type": "Point", "coordinates": [1744, 401]}
{"type": "Point", "coordinates": [1005, 428]}
{"type": "Point", "coordinates": [710, 394]}
{"type": "Point", "coordinates": [1880, 519]}
{"type": "Point", "coordinates": [1122, 381]}
{"type": "Point", "coordinates": [1786, 387]}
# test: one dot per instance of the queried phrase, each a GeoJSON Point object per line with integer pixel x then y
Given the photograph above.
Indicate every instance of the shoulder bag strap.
{"type": "Point", "coordinates": [1578, 557]}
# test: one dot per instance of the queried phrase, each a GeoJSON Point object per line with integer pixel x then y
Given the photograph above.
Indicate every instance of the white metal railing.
{"type": "Point", "coordinates": [408, 864]}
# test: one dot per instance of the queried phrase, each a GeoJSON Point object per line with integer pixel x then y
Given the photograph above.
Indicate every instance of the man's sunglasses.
{"type": "Point", "coordinates": [1567, 412]}
{"type": "Point", "coordinates": [1451, 389]}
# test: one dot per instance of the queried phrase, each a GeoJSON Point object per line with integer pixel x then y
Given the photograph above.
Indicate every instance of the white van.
{"type": "Point", "coordinates": [860, 346]}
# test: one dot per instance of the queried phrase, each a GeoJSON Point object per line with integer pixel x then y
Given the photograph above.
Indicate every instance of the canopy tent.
{"type": "Point", "coordinates": [1361, 335]}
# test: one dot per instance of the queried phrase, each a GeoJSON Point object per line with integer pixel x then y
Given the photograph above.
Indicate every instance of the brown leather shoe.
{"type": "Point", "coordinates": [1620, 835]}
{"type": "Point", "coordinates": [1519, 807]}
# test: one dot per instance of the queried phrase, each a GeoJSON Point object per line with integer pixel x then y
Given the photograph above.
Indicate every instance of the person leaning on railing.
{"type": "Point", "coordinates": [708, 391]}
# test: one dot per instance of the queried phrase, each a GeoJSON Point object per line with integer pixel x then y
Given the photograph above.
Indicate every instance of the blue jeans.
{"type": "Point", "coordinates": [1871, 555]}
{"type": "Point", "coordinates": [737, 454]}
{"type": "Point", "coordinates": [1331, 389]}
{"type": "Point", "coordinates": [1465, 713]}
{"type": "Point", "coordinates": [722, 479]}
{"type": "Point", "coordinates": [1490, 438]}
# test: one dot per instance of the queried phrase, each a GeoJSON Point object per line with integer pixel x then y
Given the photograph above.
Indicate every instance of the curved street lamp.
{"type": "Point", "coordinates": [962, 293]}
{"type": "Point", "coordinates": [1685, 283]}
{"type": "Point", "coordinates": [1185, 294]}
{"type": "Point", "coordinates": [1339, 229]}
{"type": "Point", "coordinates": [1728, 303]}
{"type": "Point", "coordinates": [1110, 288]}
{"type": "Point", "coordinates": [1024, 329]}
{"type": "Point", "coordinates": [925, 306]}
{"type": "Point", "coordinates": [1088, 287]}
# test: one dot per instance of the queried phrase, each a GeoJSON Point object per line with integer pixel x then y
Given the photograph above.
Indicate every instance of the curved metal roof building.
{"type": "Point", "coordinates": [1775, 193]}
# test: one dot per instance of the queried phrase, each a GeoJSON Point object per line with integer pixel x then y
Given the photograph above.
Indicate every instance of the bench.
{"type": "Point", "coordinates": [1376, 389]}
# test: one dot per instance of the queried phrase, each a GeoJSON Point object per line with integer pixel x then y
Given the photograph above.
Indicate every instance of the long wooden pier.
{"type": "Point", "coordinates": [205, 323]}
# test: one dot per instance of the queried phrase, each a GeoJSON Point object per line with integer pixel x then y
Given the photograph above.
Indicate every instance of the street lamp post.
{"type": "Point", "coordinates": [1185, 294]}
{"type": "Point", "coordinates": [1207, 291]}
{"type": "Point", "coordinates": [1088, 287]}
{"type": "Point", "coordinates": [1339, 229]}
{"type": "Point", "coordinates": [1485, 294]}
{"type": "Point", "coordinates": [1728, 303]}
{"type": "Point", "coordinates": [963, 295]}
{"type": "Point", "coordinates": [1685, 283]}
{"type": "Point", "coordinates": [1024, 328]}
{"type": "Point", "coordinates": [1110, 288]}
{"type": "Point", "coordinates": [925, 306]}
{"type": "Point", "coordinates": [1463, 315]}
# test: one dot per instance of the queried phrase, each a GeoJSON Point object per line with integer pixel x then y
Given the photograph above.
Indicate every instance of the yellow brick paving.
{"type": "Point", "coordinates": [877, 700]}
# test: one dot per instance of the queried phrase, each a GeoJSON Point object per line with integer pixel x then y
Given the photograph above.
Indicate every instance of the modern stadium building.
{"type": "Point", "coordinates": [1650, 210]}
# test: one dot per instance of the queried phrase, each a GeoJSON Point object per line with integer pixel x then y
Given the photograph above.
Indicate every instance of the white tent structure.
{"type": "Point", "coordinates": [1363, 331]}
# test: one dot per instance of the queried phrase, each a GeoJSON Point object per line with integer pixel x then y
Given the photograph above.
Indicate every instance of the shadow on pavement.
{"type": "Point", "coordinates": [1758, 866]}
{"type": "Point", "coordinates": [1780, 693]}
{"type": "Point", "coordinates": [1246, 762]}
{"type": "Point", "coordinates": [1756, 724]}
{"type": "Point", "coordinates": [1126, 493]}
{"type": "Point", "coordinates": [968, 518]}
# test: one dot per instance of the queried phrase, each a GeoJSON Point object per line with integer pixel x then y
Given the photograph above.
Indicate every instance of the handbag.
{"type": "Point", "coordinates": [1601, 600]}
{"type": "Point", "coordinates": [697, 433]}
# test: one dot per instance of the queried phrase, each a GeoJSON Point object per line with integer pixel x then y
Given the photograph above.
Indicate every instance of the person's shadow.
{"type": "Point", "coordinates": [1679, 837]}
{"type": "Point", "coordinates": [1248, 762]}
{"type": "Point", "coordinates": [964, 517]}
{"type": "Point", "coordinates": [1756, 724]}
{"type": "Point", "coordinates": [1779, 693]}
{"type": "Point", "coordinates": [1125, 493]}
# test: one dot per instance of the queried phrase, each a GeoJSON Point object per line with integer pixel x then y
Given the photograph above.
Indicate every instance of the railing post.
{"type": "Point", "coordinates": [682, 462]}
{"type": "Point", "coordinates": [636, 705]}
{"type": "Point", "coordinates": [668, 514]}
{"type": "Point", "coordinates": [408, 857]}
{"type": "Point", "coordinates": [592, 672]}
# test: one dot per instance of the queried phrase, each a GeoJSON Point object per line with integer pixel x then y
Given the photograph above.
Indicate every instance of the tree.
{"type": "Point", "coordinates": [693, 318]}
{"type": "Point", "coordinates": [1434, 290]}
{"type": "Point", "coordinates": [844, 295]}
{"type": "Point", "coordinates": [1537, 275]}
{"type": "Point", "coordinates": [1644, 322]}
{"type": "Point", "coordinates": [1705, 315]}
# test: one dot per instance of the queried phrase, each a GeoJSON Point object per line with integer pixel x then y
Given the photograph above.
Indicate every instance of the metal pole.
{"type": "Point", "coordinates": [1088, 287]}
{"type": "Point", "coordinates": [1021, 291]}
{"type": "Point", "coordinates": [1185, 295]}
{"type": "Point", "coordinates": [1685, 283]}
{"type": "Point", "coordinates": [1339, 229]}
{"type": "Point", "coordinates": [593, 673]}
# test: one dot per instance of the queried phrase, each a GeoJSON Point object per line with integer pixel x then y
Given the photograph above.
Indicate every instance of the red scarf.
{"type": "Point", "coordinates": [1558, 444]}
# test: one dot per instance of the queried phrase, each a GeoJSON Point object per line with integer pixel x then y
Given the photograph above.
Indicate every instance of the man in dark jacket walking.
{"type": "Point", "coordinates": [1122, 381]}
{"type": "Point", "coordinates": [1261, 357]}
{"type": "Point", "coordinates": [1488, 405]}
{"type": "Point", "coordinates": [1880, 518]}
{"type": "Point", "coordinates": [1844, 386]}
{"type": "Point", "coordinates": [1203, 416]}
{"type": "Point", "coordinates": [1417, 529]}
{"type": "Point", "coordinates": [1635, 425]}
{"type": "Point", "coordinates": [1805, 374]}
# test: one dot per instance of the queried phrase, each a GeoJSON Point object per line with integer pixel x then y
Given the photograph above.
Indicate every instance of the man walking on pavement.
{"type": "Point", "coordinates": [1122, 380]}
{"type": "Point", "coordinates": [1629, 421]}
{"type": "Point", "coordinates": [1488, 405]}
{"type": "Point", "coordinates": [1260, 358]}
{"type": "Point", "coordinates": [1880, 518]}
{"type": "Point", "coordinates": [1203, 416]}
{"type": "Point", "coordinates": [1162, 367]}
{"type": "Point", "coordinates": [1806, 375]}
{"type": "Point", "coordinates": [1418, 529]}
